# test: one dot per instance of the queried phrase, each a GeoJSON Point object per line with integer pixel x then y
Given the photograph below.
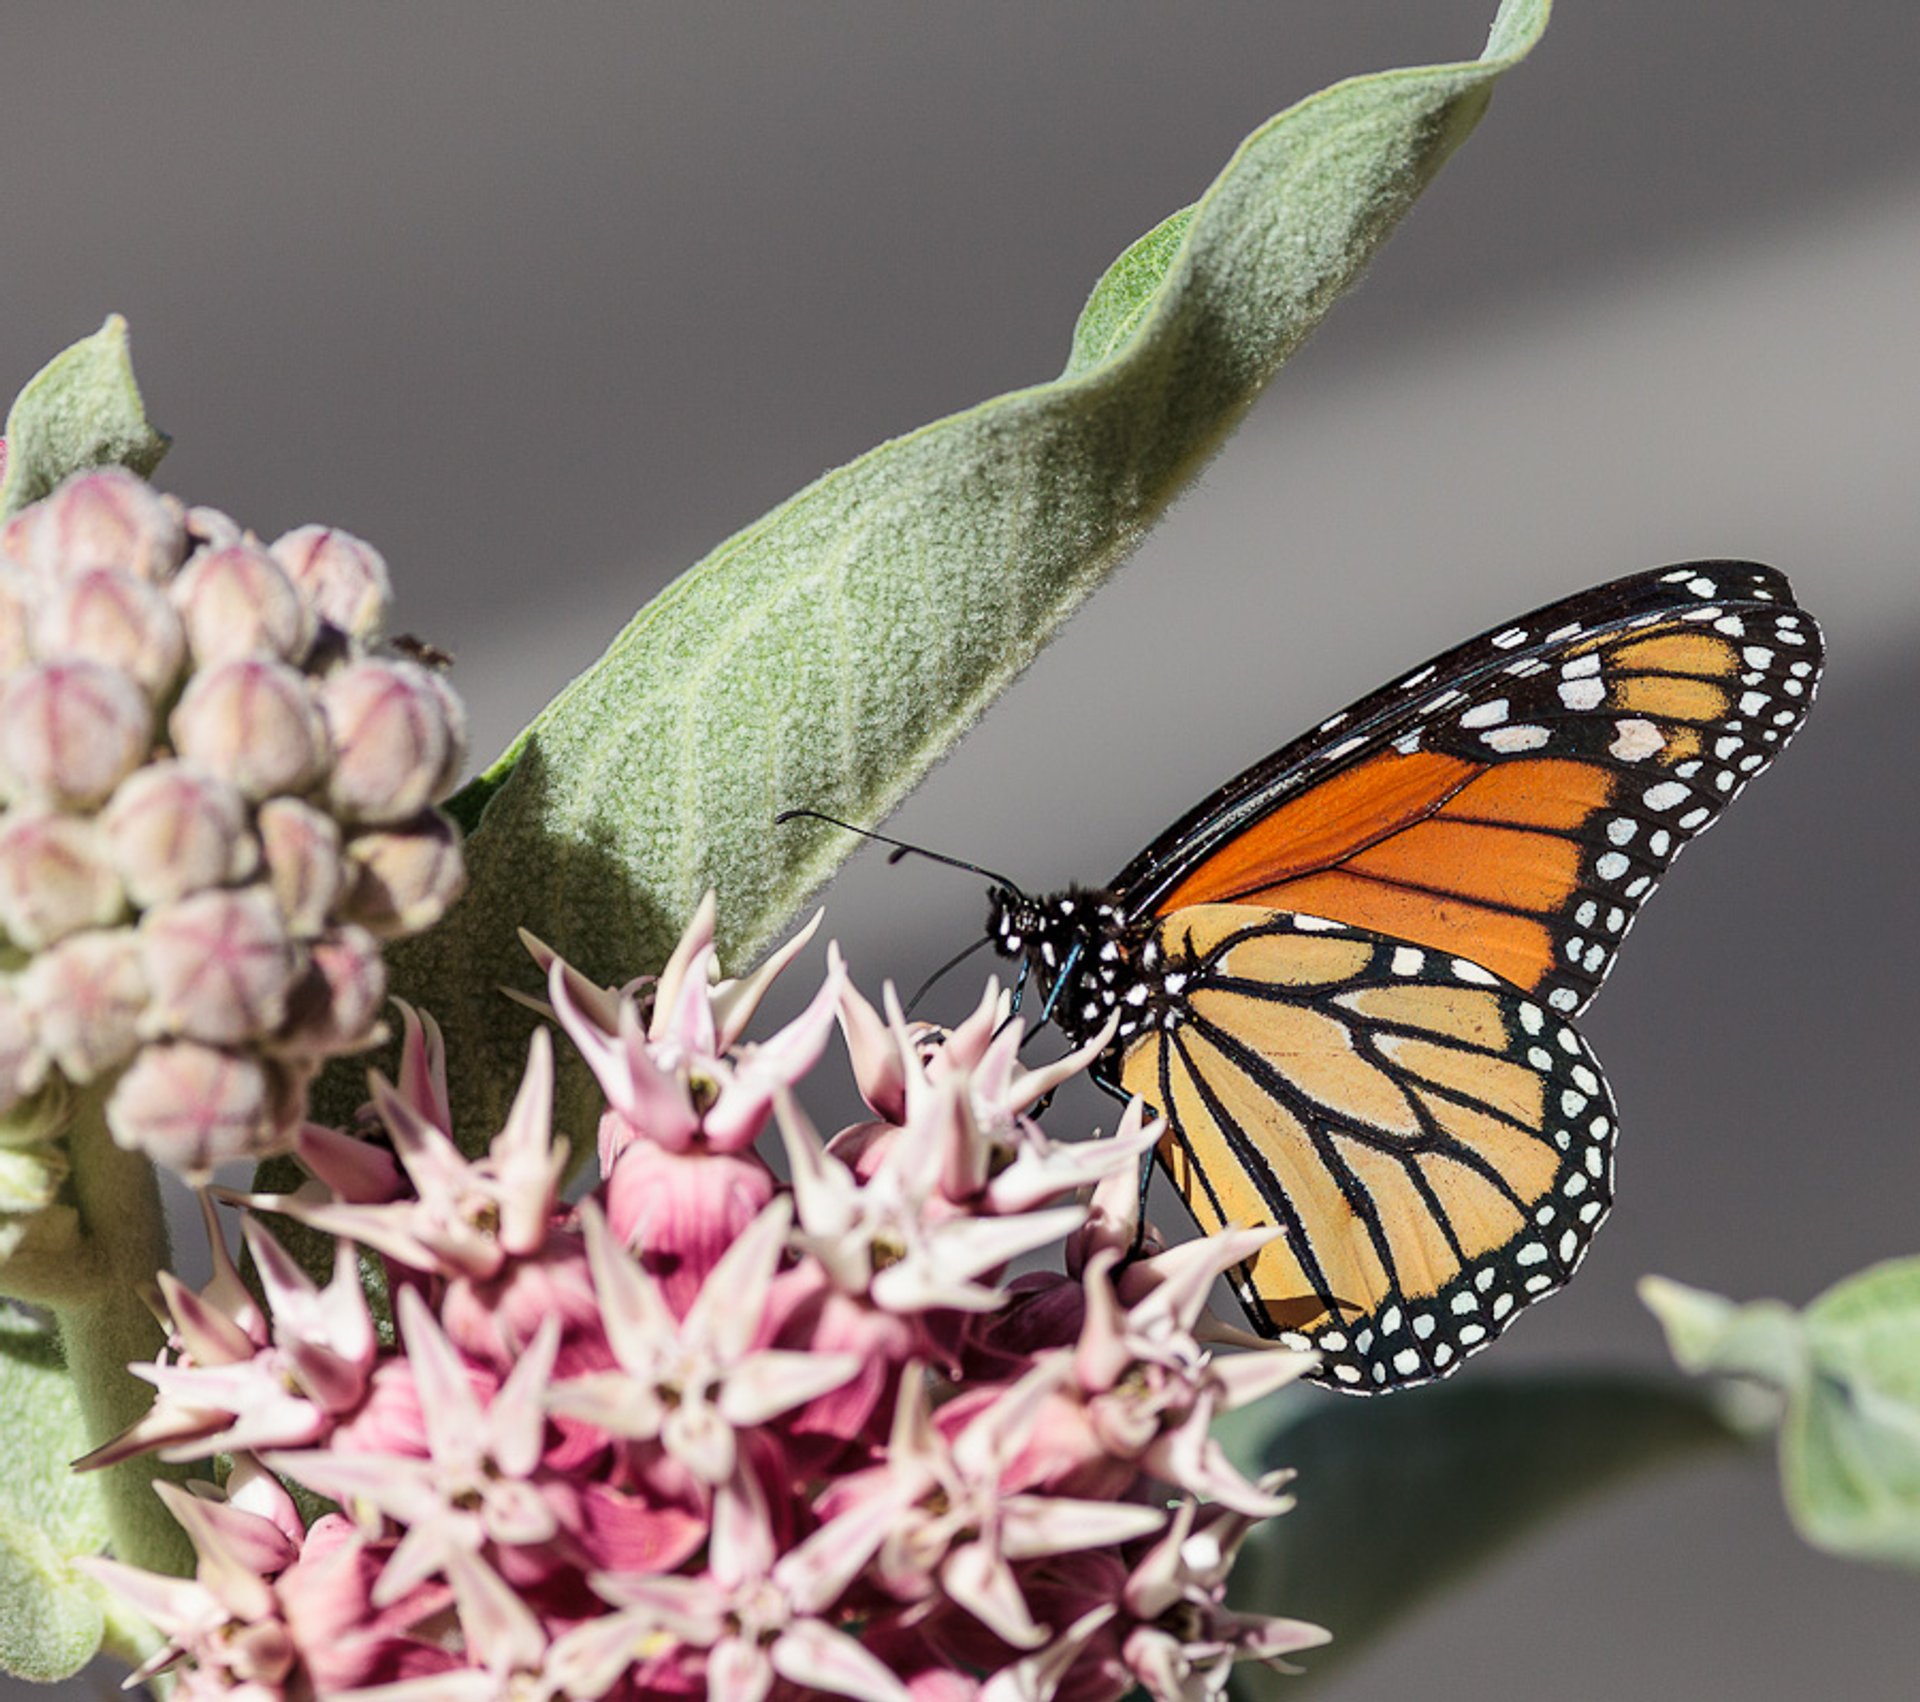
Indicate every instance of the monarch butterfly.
{"type": "Point", "coordinates": [1347, 977]}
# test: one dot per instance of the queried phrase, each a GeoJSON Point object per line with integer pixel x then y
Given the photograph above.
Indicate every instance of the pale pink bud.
{"type": "Point", "coordinates": [16, 607]}
{"type": "Point", "coordinates": [395, 740]}
{"type": "Point", "coordinates": [105, 518]}
{"type": "Point", "coordinates": [342, 577]}
{"type": "Point", "coordinates": [71, 731]}
{"type": "Point", "coordinates": [335, 1005]}
{"type": "Point", "coordinates": [236, 601]}
{"type": "Point", "coordinates": [192, 1107]}
{"type": "Point", "coordinates": [219, 964]}
{"type": "Point", "coordinates": [23, 1061]}
{"type": "Point", "coordinates": [54, 878]}
{"type": "Point", "coordinates": [253, 722]}
{"type": "Point", "coordinates": [212, 527]}
{"type": "Point", "coordinates": [302, 847]}
{"type": "Point", "coordinates": [86, 996]}
{"type": "Point", "coordinates": [171, 830]}
{"type": "Point", "coordinates": [111, 617]}
{"type": "Point", "coordinates": [404, 879]}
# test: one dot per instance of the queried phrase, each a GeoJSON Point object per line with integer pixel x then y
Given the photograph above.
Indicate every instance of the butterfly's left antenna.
{"type": "Point", "coordinates": [901, 848]}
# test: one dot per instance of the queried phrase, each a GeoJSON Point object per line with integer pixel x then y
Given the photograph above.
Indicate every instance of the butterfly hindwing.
{"type": "Point", "coordinates": [1435, 1144]}
{"type": "Point", "coordinates": [1515, 801]}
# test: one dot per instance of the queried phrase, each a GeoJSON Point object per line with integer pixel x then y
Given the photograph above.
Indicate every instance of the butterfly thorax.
{"type": "Point", "coordinates": [1086, 956]}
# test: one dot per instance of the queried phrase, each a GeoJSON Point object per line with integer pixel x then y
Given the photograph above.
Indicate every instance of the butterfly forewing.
{"type": "Point", "coordinates": [1435, 1144]}
{"type": "Point", "coordinates": [1515, 801]}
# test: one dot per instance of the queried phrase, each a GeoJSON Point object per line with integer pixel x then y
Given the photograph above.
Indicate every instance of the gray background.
{"type": "Point", "coordinates": [547, 300]}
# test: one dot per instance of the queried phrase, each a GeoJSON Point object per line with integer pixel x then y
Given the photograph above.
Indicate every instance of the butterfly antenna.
{"type": "Point", "coordinates": [901, 848]}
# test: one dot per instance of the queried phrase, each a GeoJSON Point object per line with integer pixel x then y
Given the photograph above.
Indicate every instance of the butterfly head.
{"type": "Point", "coordinates": [1074, 943]}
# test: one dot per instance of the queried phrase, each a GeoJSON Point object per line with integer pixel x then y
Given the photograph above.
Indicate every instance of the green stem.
{"type": "Point", "coordinates": [106, 1325]}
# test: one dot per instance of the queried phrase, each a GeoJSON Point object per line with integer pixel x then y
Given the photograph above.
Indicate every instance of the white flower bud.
{"type": "Point", "coordinates": [252, 722]}
{"type": "Point", "coordinates": [219, 965]}
{"type": "Point", "coordinates": [404, 879]}
{"type": "Point", "coordinates": [192, 1107]}
{"type": "Point", "coordinates": [104, 615]}
{"type": "Point", "coordinates": [23, 1060]}
{"type": "Point", "coordinates": [342, 577]}
{"type": "Point", "coordinates": [394, 740]}
{"type": "Point", "coordinates": [54, 878]}
{"type": "Point", "coordinates": [302, 849]}
{"type": "Point", "coordinates": [171, 830]}
{"type": "Point", "coordinates": [71, 731]}
{"type": "Point", "coordinates": [86, 997]}
{"type": "Point", "coordinates": [105, 518]}
{"type": "Point", "coordinates": [31, 1178]}
{"type": "Point", "coordinates": [335, 1008]}
{"type": "Point", "coordinates": [16, 609]}
{"type": "Point", "coordinates": [212, 527]}
{"type": "Point", "coordinates": [236, 601]}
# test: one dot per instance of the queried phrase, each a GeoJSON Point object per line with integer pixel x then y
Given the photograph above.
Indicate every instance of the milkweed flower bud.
{"type": "Point", "coordinates": [394, 741]}
{"type": "Point", "coordinates": [86, 997]}
{"type": "Point", "coordinates": [117, 620]}
{"type": "Point", "coordinates": [253, 722]}
{"type": "Point", "coordinates": [71, 731]}
{"type": "Point", "coordinates": [343, 577]}
{"type": "Point", "coordinates": [23, 1061]}
{"type": "Point", "coordinates": [335, 1005]}
{"type": "Point", "coordinates": [171, 830]}
{"type": "Point", "coordinates": [202, 898]}
{"type": "Point", "coordinates": [194, 1107]}
{"type": "Point", "coordinates": [54, 878]}
{"type": "Point", "coordinates": [302, 850]}
{"type": "Point", "coordinates": [105, 518]}
{"type": "Point", "coordinates": [236, 601]}
{"type": "Point", "coordinates": [220, 966]}
{"type": "Point", "coordinates": [16, 610]}
{"type": "Point", "coordinates": [404, 879]}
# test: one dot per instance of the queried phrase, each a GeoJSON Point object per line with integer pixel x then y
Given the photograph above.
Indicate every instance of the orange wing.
{"type": "Point", "coordinates": [1437, 1147]}
{"type": "Point", "coordinates": [1515, 802]}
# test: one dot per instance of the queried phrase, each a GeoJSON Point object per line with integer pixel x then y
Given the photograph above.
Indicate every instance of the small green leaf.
{"type": "Point", "coordinates": [51, 1620]}
{"type": "Point", "coordinates": [830, 653]}
{"type": "Point", "coordinates": [82, 409]}
{"type": "Point", "coordinates": [1849, 1369]}
{"type": "Point", "coordinates": [1399, 1498]}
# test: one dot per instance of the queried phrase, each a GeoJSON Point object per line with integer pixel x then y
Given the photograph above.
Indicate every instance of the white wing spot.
{"type": "Point", "coordinates": [1611, 865]}
{"type": "Point", "coordinates": [1664, 796]}
{"type": "Point", "coordinates": [1407, 960]}
{"type": "Point", "coordinates": [1467, 970]}
{"type": "Point", "coordinates": [1581, 667]}
{"type": "Point", "coordinates": [1486, 714]}
{"type": "Point", "coordinates": [1511, 739]}
{"type": "Point", "coordinates": [1508, 639]}
{"type": "Point", "coordinates": [1622, 829]}
{"type": "Point", "coordinates": [1563, 998]}
{"type": "Point", "coordinates": [1582, 694]}
{"type": "Point", "coordinates": [1636, 739]}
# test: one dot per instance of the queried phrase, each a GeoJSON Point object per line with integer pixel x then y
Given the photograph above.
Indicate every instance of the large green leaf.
{"type": "Point", "coordinates": [1849, 1370]}
{"type": "Point", "coordinates": [830, 653]}
{"type": "Point", "coordinates": [1400, 1497]}
{"type": "Point", "coordinates": [82, 409]}
{"type": "Point", "coordinates": [52, 1619]}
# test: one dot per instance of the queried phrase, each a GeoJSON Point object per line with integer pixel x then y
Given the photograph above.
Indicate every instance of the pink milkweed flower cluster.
{"type": "Point", "coordinates": [705, 1432]}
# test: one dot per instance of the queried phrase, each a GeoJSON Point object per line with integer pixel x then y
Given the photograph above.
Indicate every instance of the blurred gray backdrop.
{"type": "Point", "coordinates": [546, 300]}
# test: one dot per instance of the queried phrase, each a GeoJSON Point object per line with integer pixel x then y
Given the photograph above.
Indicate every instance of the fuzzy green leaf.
{"type": "Point", "coordinates": [830, 653]}
{"type": "Point", "coordinates": [51, 1620]}
{"type": "Point", "coordinates": [1400, 1497]}
{"type": "Point", "coordinates": [82, 409]}
{"type": "Point", "coordinates": [1849, 1369]}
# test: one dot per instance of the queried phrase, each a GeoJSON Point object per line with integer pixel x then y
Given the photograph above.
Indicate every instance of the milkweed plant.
{"type": "Point", "coordinates": [553, 1351]}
